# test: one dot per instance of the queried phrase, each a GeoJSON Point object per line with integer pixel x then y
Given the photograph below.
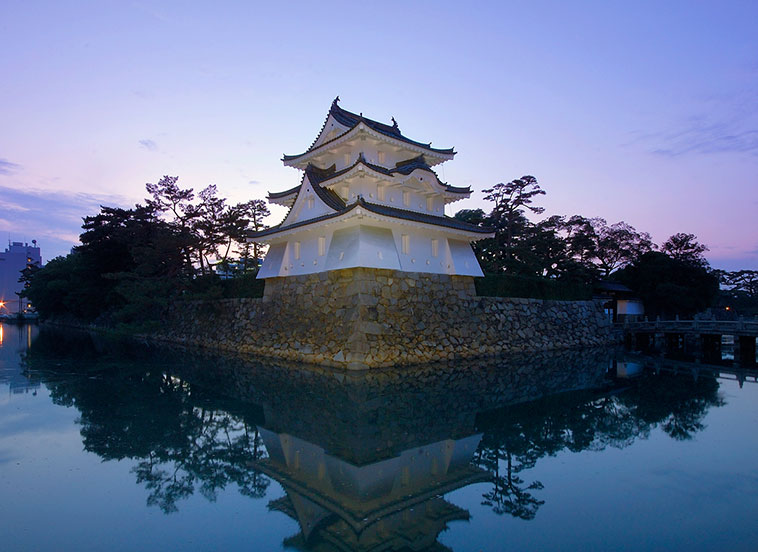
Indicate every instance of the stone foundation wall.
{"type": "Point", "coordinates": [361, 318]}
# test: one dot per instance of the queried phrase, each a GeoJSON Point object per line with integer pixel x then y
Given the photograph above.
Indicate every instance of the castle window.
{"type": "Point", "coordinates": [345, 192]}
{"type": "Point", "coordinates": [380, 192]}
{"type": "Point", "coordinates": [406, 198]}
{"type": "Point", "coordinates": [435, 248]}
{"type": "Point", "coordinates": [347, 159]}
{"type": "Point", "coordinates": [296, 249]}
{"type": "Point", "coordinates": [310, 202]}
{"type": "Point", "coordinates": [381, 156]}
{"type": "Point", "coordinates": [322, 245]}
{"type": "Point", "coordinates": [429, 203]}
{"type": "Point", "coordinates": [405, 242]}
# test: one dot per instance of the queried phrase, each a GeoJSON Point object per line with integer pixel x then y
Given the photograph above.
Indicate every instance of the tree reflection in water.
{"type": "Point", "coordinates": [516, 437]}
{"type": "Point", "coordinates": [191, 422]}
{"type": "Point", "coordinates": [184, 438]}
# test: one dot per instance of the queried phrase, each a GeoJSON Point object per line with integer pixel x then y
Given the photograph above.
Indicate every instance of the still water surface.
{"type": "Point", "coordinates": [108, 445]}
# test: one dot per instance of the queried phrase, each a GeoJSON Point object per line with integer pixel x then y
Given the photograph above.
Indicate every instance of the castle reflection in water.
{"type": "Point", "coordinates": [366, 460]}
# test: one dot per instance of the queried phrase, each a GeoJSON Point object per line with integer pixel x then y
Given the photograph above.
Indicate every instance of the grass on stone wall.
{"type": "Point", "coordinates": [504, 285]}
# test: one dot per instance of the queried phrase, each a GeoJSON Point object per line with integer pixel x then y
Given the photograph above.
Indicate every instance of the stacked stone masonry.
{"type": "Point", "coordinates": [363, 318]}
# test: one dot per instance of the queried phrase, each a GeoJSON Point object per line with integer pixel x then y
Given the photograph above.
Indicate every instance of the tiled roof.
{"type": "Point", "coordinates": [448, 222]}
{"type": "Point", "coordinates": [278, 195]}
{"type": "Point", "coordinates": [403, 167]}
{"type": "Point", "coordinates": [315, 175]}
{"type": "Point", "coordinates": [410, 165]}
{"type": "Point", "coordinates": [351, 120]}
{"type": "Point", "coordinates": [384, 210]}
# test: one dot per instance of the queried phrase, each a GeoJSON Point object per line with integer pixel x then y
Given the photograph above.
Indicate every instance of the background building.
{"type": "Point", "coordinates": [13, 260]}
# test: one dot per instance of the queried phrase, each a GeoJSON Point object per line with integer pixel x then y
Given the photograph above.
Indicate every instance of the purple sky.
{"type": "Point", "coordinates": [643, 112]}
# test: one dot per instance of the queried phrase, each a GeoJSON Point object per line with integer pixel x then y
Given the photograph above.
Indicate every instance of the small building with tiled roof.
{"type": "Point", "coordinates": [368, 198]}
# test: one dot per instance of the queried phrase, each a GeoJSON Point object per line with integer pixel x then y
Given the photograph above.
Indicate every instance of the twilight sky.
{"type": "Point", "coordinates": [645, 112]}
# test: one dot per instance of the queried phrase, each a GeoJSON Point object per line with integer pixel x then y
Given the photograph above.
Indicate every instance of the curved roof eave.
{"type": "Point", "coordinates": [329, 197]}
{"type": "Point", "coordinates": [286, 198]}
{"type": "Point", "coordinates": [383, 172]}
{"type": "Point", "coordinates": [424, 148]}
{"type": "Point", "coordinates": [386, 211]}
{"type": "Point", "coordinates": [350, 119]}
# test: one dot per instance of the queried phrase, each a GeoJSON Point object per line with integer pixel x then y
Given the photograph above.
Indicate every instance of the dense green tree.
{"type": "Point", "coordinates": [739, 292]}
{"type": "Point", "coordinates": [563, 249]}
{"type": "Point", "coordinates": [669, 286]}
{"type": "Point", "coordinates": [133, 262]}
{"type": "Point", "coordinates": [580, 237]}
{"type": "Point", "coordinates": [508, 217]}
{"type": "Point", "coordinates": [532, 259]}
{"type": "Point", "coordinates": [52, 289]}
{"type": "Point", "coordinates": [560, 256]}
{"type": "Point", "coordinates": [487, 250]}
{"type": "Point", "coordinates": [617, 245]}
{"type": "Point", "coordinates": [572, 248]}
{"type": "Point", "coordinates": [175, 204]}
{"type": "Point", "coordinates": [686, 248]}
{"type": "Point", "coordinates": [254, 211]}
{"type": "Point", "coordinates": [211, 228]}
{"type": "Point", "coordinates": [741, 281]}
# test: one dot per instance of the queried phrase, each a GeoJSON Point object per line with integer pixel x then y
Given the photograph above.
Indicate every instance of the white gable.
{"type": "Point", "coordinates": [332, 129]}
{"type": "Point", "coordinates": [308, 205]}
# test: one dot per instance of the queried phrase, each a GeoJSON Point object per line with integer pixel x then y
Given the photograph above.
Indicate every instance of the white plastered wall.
{"type": "Point", "coordinates": [370, 244]}
{"type": "Point", "coordinates": [410, 192]}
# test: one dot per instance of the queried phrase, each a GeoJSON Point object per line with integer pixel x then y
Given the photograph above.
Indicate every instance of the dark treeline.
{"type": "Point", "coordinates": [562, 257]}
{"type": "Point", "coordinates": [739, 291]}
{"type": "Point", "coordinates": [133, 262]}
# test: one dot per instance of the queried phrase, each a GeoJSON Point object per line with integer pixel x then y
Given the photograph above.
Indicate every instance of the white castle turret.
{"type": "Point", "coordinates": [368, 198]}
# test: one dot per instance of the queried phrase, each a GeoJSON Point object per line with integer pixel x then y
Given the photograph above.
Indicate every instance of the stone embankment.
{"type": "Point", "coordinates": [363, 318]}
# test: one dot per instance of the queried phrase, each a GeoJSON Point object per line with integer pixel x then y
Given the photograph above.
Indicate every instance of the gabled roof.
{"type": "Point", "coordinates": [404, 167]}
{"type": "Point", "coordinates": [279, 195]}
{"type": "Point", "coordinates": [315, 175]}
{"type": "Point", "coordinates": [410, 165]}
{"type": "Point", "coordinates": [383, 210]}
{"type": "Point", "coordinates": [352, 120]}
{"type": "Point", "coordinates": [330, 197]}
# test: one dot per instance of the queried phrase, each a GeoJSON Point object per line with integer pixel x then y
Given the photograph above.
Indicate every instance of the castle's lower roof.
{"type": "Point", "coordinates": [382, 210]}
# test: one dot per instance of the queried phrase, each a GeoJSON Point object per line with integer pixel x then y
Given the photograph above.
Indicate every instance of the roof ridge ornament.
{"type": "Point", "coordinates": [394, 125]}
{"type": "Point", "coordinates": [336, 101]}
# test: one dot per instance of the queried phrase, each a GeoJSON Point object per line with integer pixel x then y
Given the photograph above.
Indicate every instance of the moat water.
{"type": "Point", "coordinates": [117, 445]}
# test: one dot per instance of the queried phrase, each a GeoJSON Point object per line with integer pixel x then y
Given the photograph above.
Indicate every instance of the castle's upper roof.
{"type": "Point", "coordinates": [352, 121]}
